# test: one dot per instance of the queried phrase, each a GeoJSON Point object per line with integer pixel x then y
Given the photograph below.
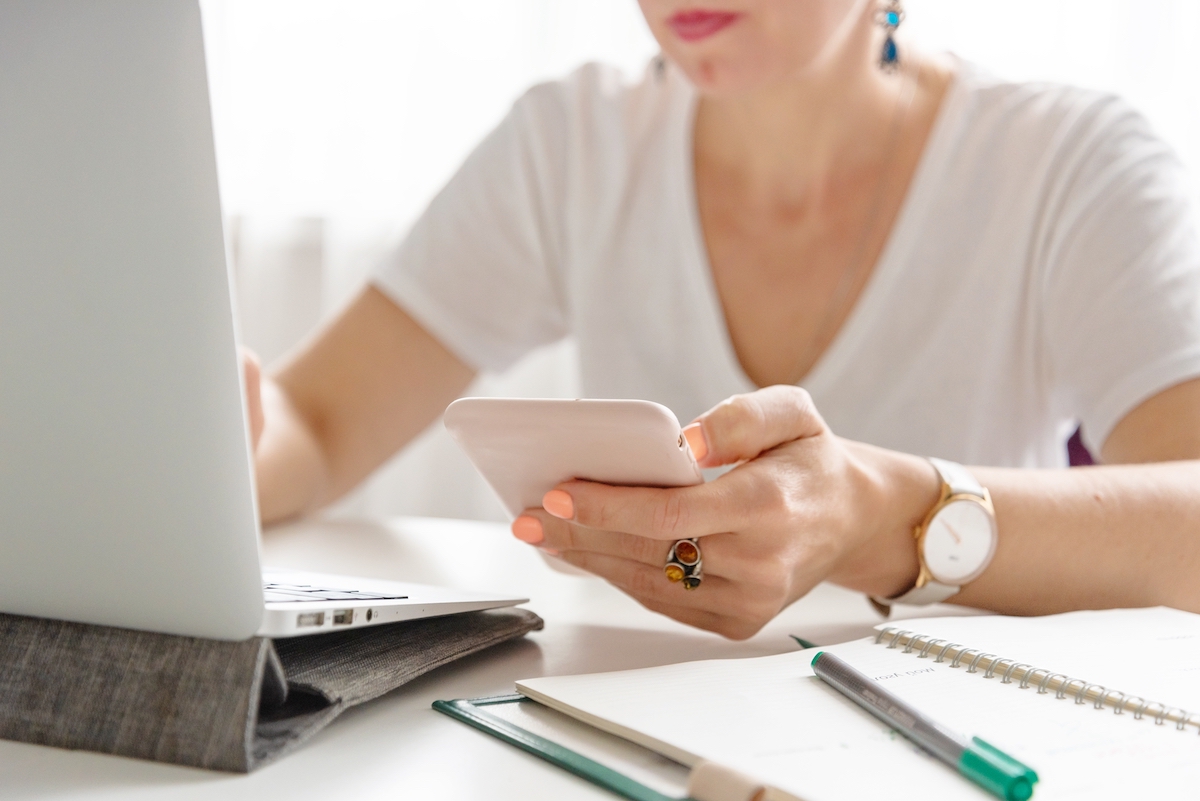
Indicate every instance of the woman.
{"type": "Point", "coordinates": [952, 266]}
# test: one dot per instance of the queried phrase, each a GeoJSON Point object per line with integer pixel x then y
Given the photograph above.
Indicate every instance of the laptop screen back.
{"type": "Point", "coordinates": [126, 493]}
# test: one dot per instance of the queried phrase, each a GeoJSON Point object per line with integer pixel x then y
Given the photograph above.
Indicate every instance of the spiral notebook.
{"type": "Point", "coordinates": [1102, 704]}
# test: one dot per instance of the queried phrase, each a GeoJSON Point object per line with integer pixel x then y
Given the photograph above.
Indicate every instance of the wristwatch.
{"type": "Point", "coordinates": [955, 542]}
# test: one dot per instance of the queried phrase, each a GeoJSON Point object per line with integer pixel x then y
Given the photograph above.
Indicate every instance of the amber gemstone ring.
{"type": "Point", "coordinates": [684, 564]}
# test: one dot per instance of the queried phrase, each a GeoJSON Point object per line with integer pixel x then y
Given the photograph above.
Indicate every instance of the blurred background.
{"type": "Point", "coordinates": [338, 120]}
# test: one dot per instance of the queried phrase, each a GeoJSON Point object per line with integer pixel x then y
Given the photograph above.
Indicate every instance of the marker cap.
{"type": "Point", "coordinates": [996, 771]}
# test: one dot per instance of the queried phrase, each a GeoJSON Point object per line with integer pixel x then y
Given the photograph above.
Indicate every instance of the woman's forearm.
{"type": "Point", "coordinates": [804, 506]}
{"type": "Point", "coordinates": [1124, 534]}
{"type": "Point", "coordinates": [347, 401]}
{"type": "Point", "coordinates": [1084, 538]}
{"type": "Point", "coordinates": [1094, 537]}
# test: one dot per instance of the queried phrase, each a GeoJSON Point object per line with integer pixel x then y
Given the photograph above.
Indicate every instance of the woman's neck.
{"type": "Point", "coordinates": [782, 141]}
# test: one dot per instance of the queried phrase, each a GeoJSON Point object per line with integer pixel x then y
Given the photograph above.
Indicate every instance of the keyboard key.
{"type": "Point", "coordinates": [275, 597]}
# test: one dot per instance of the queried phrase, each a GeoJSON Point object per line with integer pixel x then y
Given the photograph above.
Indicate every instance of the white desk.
{"type": "Point", "coordinates": [397, 746]}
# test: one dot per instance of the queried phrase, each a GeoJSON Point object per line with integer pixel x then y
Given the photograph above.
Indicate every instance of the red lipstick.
{"type": "Point", "coordinates": [696, 24]}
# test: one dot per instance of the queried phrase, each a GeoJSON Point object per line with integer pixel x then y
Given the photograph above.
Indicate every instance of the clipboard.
{"type": "Point", "coordinates": [488, 715]}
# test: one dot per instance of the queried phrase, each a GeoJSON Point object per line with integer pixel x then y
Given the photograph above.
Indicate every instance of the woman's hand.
{"type": "Point", "coordinates": [252, 380]}
{"type": "Point", "coordinates": [802, 507]}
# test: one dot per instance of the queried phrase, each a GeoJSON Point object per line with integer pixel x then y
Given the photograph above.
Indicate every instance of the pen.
{"type": "Point", "coordinates": [984, 764]}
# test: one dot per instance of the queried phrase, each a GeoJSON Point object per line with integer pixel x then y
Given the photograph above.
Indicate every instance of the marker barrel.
{"type": "Point", "coordinates": [982, 763]}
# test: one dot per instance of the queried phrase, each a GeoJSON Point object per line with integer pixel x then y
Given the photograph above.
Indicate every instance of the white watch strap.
{"type": "Point", "coordinates": [961, 482]}
{"type": "Point", "coordinates": [931, 593]}
{"type": "Point", "coordinates": [957, 477]}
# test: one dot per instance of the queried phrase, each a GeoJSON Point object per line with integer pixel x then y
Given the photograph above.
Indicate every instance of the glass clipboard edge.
{"type": "Point", "coordinates": [472, 712]}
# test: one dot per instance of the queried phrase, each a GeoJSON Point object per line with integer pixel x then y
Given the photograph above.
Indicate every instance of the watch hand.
{"type": "Point", "coordinates": [953, 533]}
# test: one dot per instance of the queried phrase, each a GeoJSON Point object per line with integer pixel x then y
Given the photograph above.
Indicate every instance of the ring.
{"type": "Point", "coordinates": [684, 564]}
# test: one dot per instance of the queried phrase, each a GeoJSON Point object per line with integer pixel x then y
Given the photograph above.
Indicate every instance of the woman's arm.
{"type": "Point", "coordinates": [1123, 534]}
{"type": "Point", "coordinates": [807, 506]}
{"type": "Point", "coordinates": [352, 397]}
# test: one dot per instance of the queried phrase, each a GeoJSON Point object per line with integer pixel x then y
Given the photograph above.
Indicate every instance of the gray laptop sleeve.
{"type": "Point", "coordinates": [231, 706]}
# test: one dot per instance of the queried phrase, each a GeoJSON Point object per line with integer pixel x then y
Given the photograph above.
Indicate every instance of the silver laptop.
{"type": "Point", "coordinates": [126, 481]}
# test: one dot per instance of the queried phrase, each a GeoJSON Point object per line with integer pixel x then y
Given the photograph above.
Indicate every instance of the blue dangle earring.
{"type": "Point", "coordinates": [889, 17]}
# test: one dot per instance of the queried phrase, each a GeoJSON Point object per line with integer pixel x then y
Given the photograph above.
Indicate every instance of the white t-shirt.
{"type": "Point", "coordinates": [1044, 268]}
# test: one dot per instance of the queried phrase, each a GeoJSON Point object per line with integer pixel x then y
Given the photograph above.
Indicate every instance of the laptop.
{"type": "Point", "coordinates": [126, 479]}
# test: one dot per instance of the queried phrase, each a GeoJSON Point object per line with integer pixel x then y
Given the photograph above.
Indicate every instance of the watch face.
{"type": "Point", "coordinates": [959, 542]}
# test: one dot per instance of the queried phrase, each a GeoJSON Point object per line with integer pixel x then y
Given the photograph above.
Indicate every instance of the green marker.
{"type": "Point", "coordinates": [984, 764]}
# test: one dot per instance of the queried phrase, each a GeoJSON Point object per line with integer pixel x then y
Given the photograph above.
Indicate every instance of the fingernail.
{"type": "Point", "coordinates": [694, 434]}
{"type": "Point", "coordinates": [528, 529]}
{"type": "Point", "coordinates": [552, 552]}
{"type": "Point", "coordinates": [559, 504]}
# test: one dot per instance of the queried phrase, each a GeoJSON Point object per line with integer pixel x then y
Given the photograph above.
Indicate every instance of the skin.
{"type": "Point", "coordinates": [352, 397]}
{"type": "Point", "coordinates": [795, 159]}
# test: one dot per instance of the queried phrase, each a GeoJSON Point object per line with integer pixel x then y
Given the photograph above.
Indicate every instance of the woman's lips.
{"type": "Point", "coordinates": [694, 25]}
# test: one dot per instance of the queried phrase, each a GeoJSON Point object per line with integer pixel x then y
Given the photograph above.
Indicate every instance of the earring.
{"type": "Point", "coordinates": [889, 17]}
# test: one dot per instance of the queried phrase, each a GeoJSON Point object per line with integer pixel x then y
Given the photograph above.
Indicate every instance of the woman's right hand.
{"type": "Point", "coordinates": [252, 379]}
{"type": "Point", "coordinates": [802, 506]}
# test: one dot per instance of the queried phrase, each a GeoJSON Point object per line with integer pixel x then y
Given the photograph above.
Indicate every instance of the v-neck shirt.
{"type": "Point", "coordinates": [1043, 270]}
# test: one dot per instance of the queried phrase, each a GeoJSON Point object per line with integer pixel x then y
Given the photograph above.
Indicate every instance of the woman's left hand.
{"type": "Point", "coordinates": [802, 507]}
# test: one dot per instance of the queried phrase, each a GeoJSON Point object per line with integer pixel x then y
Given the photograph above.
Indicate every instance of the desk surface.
{"type": "Point", "coordinates": [397, 746]}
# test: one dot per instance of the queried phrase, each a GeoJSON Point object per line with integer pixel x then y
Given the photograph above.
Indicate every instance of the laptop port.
{"type": "Point", "coordinates": [310, 619]}
{"type": "Point", "coordinates": [343, 617]}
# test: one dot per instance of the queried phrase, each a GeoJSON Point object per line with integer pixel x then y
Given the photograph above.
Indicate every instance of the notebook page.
{"type": "Point", "coordinates": [1078, 751]}
{"type": "Point", "coordinates": [772, 719]}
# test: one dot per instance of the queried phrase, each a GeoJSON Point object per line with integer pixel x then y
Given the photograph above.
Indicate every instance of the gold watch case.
{"type": "Point", "coordinates": [976, 546]}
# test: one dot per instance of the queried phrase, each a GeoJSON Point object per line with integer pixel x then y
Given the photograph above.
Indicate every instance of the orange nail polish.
{"type": "Point", "coordinates": [528, 529]}
{"type": "Point", "coordinates": [559, 504]}
{"type": "Point", "coordinates": [694, 434]}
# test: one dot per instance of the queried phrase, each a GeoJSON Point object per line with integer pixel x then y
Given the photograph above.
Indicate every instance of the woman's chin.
{"type": "Point", "coordinates": [712, 77]}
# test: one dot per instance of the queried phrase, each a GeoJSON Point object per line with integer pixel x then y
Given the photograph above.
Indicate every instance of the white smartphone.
{"type": "Point", "coordinates": [524, 447]}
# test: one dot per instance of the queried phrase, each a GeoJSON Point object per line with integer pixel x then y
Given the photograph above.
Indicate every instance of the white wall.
{"type": "Point", "coordinates": [1144, 50]}
{"type": "Point", "coordinates": [367, 106]}
{"type": "Point", "coordinates": [337, 120]}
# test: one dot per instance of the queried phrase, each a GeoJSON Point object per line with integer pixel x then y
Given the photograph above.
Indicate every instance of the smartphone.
{"type": "Point", "coordinates": [525, 447]}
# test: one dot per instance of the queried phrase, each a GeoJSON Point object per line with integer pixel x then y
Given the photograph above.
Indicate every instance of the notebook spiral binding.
{"type": "Point", "coordinates": [1029, 676]}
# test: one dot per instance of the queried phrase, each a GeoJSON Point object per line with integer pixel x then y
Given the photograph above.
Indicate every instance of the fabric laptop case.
{"type": "Point", "coordinates": [231, 706]}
